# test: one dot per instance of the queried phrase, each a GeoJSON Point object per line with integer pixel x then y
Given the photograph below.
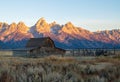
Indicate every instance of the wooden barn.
{"type": "Point", "coordinates": [43, 46]}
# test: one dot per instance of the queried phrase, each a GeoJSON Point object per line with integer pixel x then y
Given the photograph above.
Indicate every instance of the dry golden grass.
{"type": "Point", "coordinates": [59, 69]}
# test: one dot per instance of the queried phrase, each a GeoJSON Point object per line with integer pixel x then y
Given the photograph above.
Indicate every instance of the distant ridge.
{"type": "Point", "coordinates": [65, 36]}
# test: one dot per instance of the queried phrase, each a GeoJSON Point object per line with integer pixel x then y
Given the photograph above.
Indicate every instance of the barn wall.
{"type": "Point", "coordinates": [45, 51]}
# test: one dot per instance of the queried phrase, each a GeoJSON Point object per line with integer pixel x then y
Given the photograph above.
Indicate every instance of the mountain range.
{"type": "Point", "coordinates": [65, 36]}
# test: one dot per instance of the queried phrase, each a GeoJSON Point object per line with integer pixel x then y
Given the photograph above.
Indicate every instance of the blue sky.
{"type": "Point", "coordinates": [90, 14]}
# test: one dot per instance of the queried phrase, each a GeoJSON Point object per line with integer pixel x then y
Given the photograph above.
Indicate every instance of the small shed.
{"type": "Point", "coordinates": [43, 46]}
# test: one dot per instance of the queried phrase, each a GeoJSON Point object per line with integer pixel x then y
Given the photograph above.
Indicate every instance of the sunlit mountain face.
{"type": "Point", "coordinates": [65, 36]}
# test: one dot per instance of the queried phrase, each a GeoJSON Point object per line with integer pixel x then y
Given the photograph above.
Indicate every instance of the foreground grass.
{"type": "Point", "coordinates": [59, 69]}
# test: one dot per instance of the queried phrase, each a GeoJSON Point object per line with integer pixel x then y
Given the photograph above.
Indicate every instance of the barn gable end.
{"type": "Point", "coordinates": [40, 42]}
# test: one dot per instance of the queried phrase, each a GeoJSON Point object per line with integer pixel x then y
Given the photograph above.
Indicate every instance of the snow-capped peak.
{"type": "Point", "coordinates": [65, 36]}
{"type": "Point", "coordinates": [55, 28]}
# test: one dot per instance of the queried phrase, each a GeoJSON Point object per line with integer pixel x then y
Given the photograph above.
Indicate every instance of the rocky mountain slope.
{"type": "Point", "coordinates": [65, 36]}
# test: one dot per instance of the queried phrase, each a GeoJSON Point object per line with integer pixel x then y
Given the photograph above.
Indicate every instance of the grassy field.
{"type": "Point", "coordinates": [60, 69]}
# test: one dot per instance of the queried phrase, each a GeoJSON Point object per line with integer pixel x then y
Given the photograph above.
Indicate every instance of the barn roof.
{"type": "Point", "coordinates": [37, 42]}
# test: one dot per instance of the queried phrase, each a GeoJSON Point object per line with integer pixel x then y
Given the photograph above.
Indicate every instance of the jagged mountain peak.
{"type": "Point", "coordinates": [41, 19]}
{"type": "Point", "coordinates": [13, 24]}
{"type": "Point", "coordinates": [53, 23]}
{"type": "Point", "coordinates": [69, 24]}
{"type": "Point", "coordinates": [65, 36]}
{"type": "Point", "coordinates": [70, 28]}
{"type": "Point", "coordinates": [42, 26]}
{"type": "Point", "coordinates": [21, 23]}
{"type": "Point", "coordinates": [41, 22]}
{"type": "Point", "coordinates": [3, 24]}
{"type": "Point", "coordinates": [12, 27]}
{"type": "Point", "coordinates": [21, 27]}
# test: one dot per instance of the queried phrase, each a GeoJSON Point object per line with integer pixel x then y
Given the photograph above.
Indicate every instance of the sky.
{"type": "Point", "coordinates": [93, 15]}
